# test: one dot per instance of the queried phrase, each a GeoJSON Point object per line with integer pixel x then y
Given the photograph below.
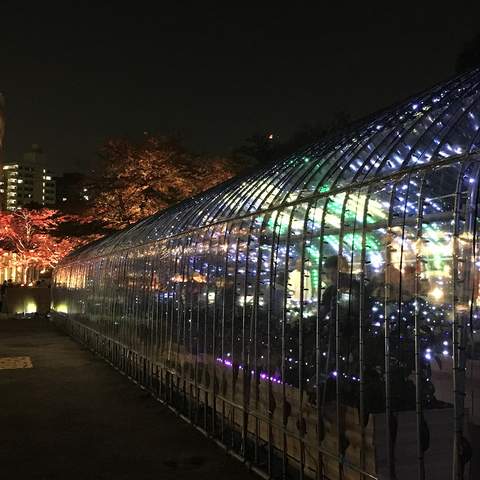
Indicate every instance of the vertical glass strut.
{"type": "Point", "coordinates": [458, 337]}
{"type": "Point", "coordinates": [418, 354]}
{"type": "Point", "coordinates": [390, 419]}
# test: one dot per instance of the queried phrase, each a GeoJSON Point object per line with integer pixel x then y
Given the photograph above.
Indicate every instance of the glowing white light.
{"type": "Point", "coordinates": [437, 293]}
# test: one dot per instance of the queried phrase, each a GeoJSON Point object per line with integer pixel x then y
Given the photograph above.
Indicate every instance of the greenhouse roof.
{"type": "Point", "coordinates": [438, 124]}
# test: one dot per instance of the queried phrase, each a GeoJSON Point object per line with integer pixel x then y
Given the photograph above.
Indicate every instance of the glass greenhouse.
{"type": "Point", "coordinates": [320, 317]}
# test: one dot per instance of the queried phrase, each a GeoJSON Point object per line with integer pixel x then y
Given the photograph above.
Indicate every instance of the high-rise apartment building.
{"type": "Point", "coordinates": [27, 181]}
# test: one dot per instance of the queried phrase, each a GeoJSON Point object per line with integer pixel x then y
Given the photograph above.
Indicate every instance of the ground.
{"type": "Point", "coordinates": [69, 415]}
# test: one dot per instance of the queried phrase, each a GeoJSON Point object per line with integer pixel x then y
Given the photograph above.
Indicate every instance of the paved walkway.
{"type": "Point", "coordinates": [68, 415]}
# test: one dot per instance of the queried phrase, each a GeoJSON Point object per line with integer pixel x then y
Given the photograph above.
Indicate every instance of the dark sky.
{"type": "Point", "coordinates": [74, 76]}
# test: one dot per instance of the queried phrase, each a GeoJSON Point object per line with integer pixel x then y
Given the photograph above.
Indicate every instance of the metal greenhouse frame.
{"type": "Point", "coordinates": [318, 318]}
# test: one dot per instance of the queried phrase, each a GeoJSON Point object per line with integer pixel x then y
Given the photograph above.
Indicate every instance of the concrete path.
{"type": "Point", "coordinates": [65, 414]}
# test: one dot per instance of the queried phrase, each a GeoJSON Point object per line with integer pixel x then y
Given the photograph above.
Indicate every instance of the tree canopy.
{"type": "Point", "coordinates": [136, 180]}
{"type": "Point", "coordinates": [265, 147]}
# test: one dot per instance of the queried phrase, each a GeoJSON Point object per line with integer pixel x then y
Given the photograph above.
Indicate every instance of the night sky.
{"type": "Point", "coordinates": [75, 76]}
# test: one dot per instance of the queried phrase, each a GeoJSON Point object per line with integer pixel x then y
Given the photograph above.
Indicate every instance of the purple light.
{"type": "Point", "coordinates": [263, 376]}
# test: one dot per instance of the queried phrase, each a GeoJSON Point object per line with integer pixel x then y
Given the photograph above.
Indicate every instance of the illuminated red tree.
{"type": "Point", "coordinates": [28, 240]}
